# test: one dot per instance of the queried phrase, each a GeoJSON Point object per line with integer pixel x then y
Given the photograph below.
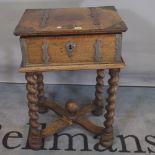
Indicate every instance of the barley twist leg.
{"type": "Point", "coordinates": [107, 136]}
{"type": "Point", "coordinates": [99, 93]}
{"type": "Point", "coordinates": [41, 98]}
{"type": "Point", "coordinates": [34, 139]}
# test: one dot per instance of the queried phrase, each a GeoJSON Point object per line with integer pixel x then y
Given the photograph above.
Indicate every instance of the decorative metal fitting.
{"type": "Point", "coordinates": [98, 45]}
{"type": "Point", "coordinates": [70, 46]}
{"type": "Point", "coordinates": [45, 52]}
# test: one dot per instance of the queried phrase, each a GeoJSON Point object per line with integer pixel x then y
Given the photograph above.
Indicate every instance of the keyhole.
{"type": "Point", "coordinates": [70, 47]}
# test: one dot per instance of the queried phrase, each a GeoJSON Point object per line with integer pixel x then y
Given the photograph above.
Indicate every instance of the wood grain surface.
{"type": "Point", "coordinates": [65, 21]}
{"type": "Point", "coordinates": [84, 66]}
{"type": "Point", "coordinates": [84, 52]}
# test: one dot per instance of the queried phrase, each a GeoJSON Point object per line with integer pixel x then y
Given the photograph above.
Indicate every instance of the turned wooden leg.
{"type": "Point", "coordinates": [34, 139]}
{"type": "Point", "coordinates": [99, 93]}
{"type": "Point", "coordinates": [107, 136]}
{"type": "Point", "coordinates": [41, 98]}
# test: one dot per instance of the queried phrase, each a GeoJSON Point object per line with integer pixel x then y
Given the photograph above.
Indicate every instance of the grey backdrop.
{"type": "Point", "coordinates": [138, 42]}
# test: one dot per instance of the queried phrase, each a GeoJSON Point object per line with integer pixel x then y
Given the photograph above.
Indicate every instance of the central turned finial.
{"type": "Point", "coordinates": [72, 107]}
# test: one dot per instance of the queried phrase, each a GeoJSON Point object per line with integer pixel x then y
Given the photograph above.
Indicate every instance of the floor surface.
{"type": "Point", "coordinates": [134, 126]}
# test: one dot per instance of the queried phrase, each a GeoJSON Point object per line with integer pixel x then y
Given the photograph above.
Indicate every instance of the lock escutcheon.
{"type": "Point", "coordinates": [70, 47]}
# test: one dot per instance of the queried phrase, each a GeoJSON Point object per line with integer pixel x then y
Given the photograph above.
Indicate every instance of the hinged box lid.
{"type": "Point", "coordinates": [65, 21]}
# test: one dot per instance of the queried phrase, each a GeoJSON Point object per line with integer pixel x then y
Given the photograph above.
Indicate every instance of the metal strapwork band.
{"type": "Point", "coordinates": [45, 52]}
{"type": "Point", "coordinates": [118, 47]}
{"type": "Point", "coordinates": [98, 47]}
{"type": "Point", "coordinates": [23, 46]}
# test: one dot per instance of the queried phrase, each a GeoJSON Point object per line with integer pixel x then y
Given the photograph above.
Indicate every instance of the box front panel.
{"type": "Point", "coordinates": [71, 50]}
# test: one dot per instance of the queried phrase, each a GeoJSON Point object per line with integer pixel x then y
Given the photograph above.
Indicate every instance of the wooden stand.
{"type": "Point", "coordinates": [72, 113]}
